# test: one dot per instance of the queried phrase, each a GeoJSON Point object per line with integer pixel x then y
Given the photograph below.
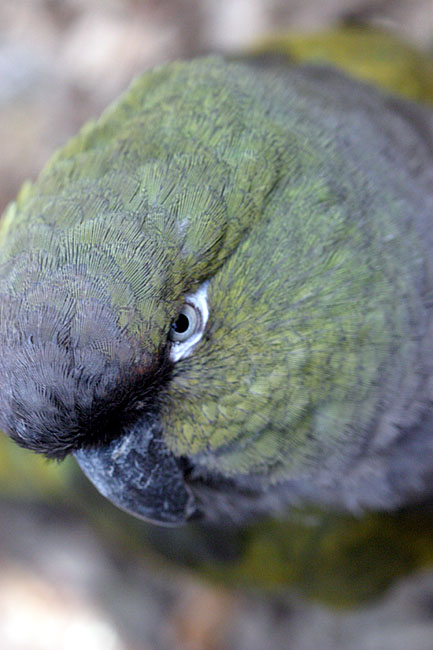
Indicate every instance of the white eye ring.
{"type": "Point", "coordinates": [190, 324]}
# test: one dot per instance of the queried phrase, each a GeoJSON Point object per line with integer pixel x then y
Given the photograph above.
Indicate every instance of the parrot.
{"type": "Point", "coordinates": [218, 298]}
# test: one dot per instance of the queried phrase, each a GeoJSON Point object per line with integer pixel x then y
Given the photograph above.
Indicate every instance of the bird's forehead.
{"type": "Point", "coordinates": [67, 372]}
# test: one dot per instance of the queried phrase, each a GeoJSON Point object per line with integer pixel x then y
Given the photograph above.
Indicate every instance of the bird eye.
{"type": "Point", "coordinates": [187, 330]}
{"type": "Point", "coordinates": [185, 324]}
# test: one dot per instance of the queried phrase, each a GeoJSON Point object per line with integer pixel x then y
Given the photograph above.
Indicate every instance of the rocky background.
{"type": "Point", "coordinates": [61, 586]}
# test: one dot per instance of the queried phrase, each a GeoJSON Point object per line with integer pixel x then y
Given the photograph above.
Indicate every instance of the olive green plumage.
{"type": "Point", "coordinates": [302, 201]}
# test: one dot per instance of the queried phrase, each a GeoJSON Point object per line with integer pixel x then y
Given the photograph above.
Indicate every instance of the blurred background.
{"type": "Point", "coordinates": [66, 581]}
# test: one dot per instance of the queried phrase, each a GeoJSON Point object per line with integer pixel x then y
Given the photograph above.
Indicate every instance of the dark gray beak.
{"type": "Point", "coordinates": [140, 475]}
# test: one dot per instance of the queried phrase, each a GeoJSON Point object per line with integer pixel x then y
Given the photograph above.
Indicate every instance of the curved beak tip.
{"type": "Point", "coordinates": [140, 475]}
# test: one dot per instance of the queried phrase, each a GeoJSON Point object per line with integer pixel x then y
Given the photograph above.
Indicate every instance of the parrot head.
{"type": "Point", "coordinates": [104, 282]}
{"type": "Point", "coordinates": [198, 297]}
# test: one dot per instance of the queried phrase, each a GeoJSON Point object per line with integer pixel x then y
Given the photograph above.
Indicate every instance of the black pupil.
{"type": "Point", "coordinates": [181, 324]}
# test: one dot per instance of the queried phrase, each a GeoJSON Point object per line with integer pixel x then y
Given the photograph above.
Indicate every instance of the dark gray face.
{"type": "Point", "coordinates": [69, 379]}
{"type": "Point", "coordinates": [61, 395]}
